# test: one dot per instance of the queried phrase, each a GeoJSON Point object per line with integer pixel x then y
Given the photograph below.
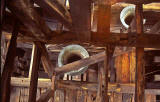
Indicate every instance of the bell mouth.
{"type": "Point", "coordinates": [72, 53]}
{"type": "Point", "coordinates": [73, 58]}
{"type": "Point", "coordinates": [129, 19]}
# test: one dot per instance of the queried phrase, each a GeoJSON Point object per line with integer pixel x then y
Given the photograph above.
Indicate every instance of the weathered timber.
{"type": "Point", "coordinates": [8, 66]}
{"type": "Point", "coordinates": [103, 27]}
{"type": "Point", "coordinates": [46, 62]}
{"type": "Point", "coordinates": [45, 96]}
{"type": "Point", "coordinates": [140, 69]}
{"type": "Point", "coordinates": [100, 93]}
{"type": "Point", "coordinates": [35, 62]}
{"type": "Point", "coordinates": [56, 10]}
{"type": "Point", "coordinates": [53, 85]}
{"type": "Point", "coordinates": [24, 11]}
{"type": "Point", "coordinates": [80, 63]}
{"type": "Point", "coordinates": [155, 28]}
{"type": "Point", "coordinates": [81, 16]}
{"type": "Point", "coordinates": [88, 86]}
{"type": "Point", "coordinates": [2, 8]}
{"type": "Point", "coordinates": [117, 39]}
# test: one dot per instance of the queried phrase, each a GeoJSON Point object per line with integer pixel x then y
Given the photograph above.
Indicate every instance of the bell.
{"type": "Point", "coordinates": [70, 54]}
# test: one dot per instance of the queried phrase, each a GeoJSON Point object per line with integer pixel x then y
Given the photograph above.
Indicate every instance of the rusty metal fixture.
{"type": "Point", "coordinates": [70, 54]}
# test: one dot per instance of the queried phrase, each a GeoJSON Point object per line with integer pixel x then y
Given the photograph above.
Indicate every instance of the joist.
{"type": "Point", "coordinates": [35, 63]}
{"type": "Point", "coordinates": [8, 66]}
{"type": "Point", "coordinates": [140, 68]}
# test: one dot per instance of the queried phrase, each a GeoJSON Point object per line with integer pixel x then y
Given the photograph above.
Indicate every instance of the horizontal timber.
{"type": "Point", "coordinates": [117, 39]}
{"type": "Point", "coordinates": [61, 84]}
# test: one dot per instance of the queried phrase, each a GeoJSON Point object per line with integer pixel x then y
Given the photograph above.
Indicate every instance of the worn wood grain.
{"type": "Point", "coordinates": [8, 66]}
{"type": "Point", "coordinates": [140, 69]}
{"type": "Point", "coordinates": [35, 63]}
{"type": "Point", "coordinates": [80, 63]}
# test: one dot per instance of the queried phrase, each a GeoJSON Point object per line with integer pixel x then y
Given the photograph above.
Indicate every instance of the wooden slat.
{"type": "Point", "coordinates": [140, 69]}
{"type": "Point", "coordinates": [80, 63]}
{"type": "Point", "coordinates": [8, 66]}
{"type": "Point", "coordinates": [35, 62]}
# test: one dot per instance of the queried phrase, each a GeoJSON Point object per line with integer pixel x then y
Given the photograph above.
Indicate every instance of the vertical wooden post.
{"type": "Point", "coordinates": [101, 79]}
{"type": "Point", "coordinates": [2, 3]}
{"type": "Point", "coordinates": [9, 66]}
{"type": "Point", "coordinates": [35, 62]}
{"type": "Point", "coordinates": [103, 27]}
{"type": "Point", "coordinates": [140, 69]}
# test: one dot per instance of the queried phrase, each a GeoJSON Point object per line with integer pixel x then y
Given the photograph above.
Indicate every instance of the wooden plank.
{"type": "Point", "coordinates": [8, 66]}
{"type": "Point", "coordinates": [61, 84]}
{"type": "Point", "coordinates": [140, 69]}
{"type": "Point", "coordinates": [45, 96]}
{"type": "Point", "coordinates": [80, 63]}
{"type": "Point", "coordinates": [125, 69]}
{"type": "Point", "coordinates": [35, 62]}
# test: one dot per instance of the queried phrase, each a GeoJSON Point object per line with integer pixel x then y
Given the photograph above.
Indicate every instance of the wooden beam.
{"type": "Point", "coordinates": [88, 86]}
{"type": "Point", "coordinates": [81, 16]}
{"type": "Point", "coordinates": [56, 10]}
{"type": "Point", "coordinates": [2, 5]}
{"type": "Point", "coordinates": [101, 79]}
{"type": "Point", "coordinates": [80, 63]}
{"type": "Point", "coordinates": [8, 66]}
{"type": "Point", "coordinates": [46, 62]}
{"type": "Point", "coordinates": [117, 39]}
{"type": "Point", "coordinates": [103, 27]}
{"type": "Point", "coordinates": [35, 62]}
{"type": "Point", "coordinates": [26, 13]}
{"type": "Point", "coordinates": [156, 28]}
{"type": "Point", "coordinates": [45, 96]}
{"type": "Point", "coordinates": [140, 69]}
